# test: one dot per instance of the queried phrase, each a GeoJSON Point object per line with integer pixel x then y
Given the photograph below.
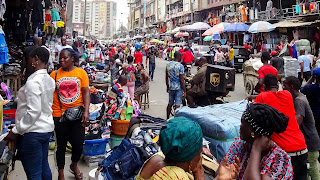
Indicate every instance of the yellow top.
{"type": "Point", "coordinates": [231, 54]}
{"type": "Point", "coordinates": [168, 172]}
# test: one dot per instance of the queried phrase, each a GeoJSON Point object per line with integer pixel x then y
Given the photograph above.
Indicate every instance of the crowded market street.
{"type": "Point", "coordinates": [158, 102]}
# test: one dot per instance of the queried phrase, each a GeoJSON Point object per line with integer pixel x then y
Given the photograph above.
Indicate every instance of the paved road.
{"type": "Point", "coordinates": [158, 102]}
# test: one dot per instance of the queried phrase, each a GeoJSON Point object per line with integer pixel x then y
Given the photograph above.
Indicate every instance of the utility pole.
{"type": "Point", "coordinates": [84, 18]}
{"type": "Point", "coordinates": [191, 3]}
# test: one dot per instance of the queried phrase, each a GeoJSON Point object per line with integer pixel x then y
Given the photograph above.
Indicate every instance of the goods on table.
{"type": "Point", "coordinates": [220, 124]}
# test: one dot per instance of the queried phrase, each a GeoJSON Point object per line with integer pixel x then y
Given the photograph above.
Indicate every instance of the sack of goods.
{"type": "Point", "coordinates": [291, 66]}
{"type": "Point", "coordinates": [220, 124]}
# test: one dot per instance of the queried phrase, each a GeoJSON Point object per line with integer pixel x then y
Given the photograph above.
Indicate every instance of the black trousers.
{"type": "Point", "coordinates": [299, 164]}
{"type": "Point", "coordinates": [73, 132]}
{"type": "Point", "coordinates": [306, 76]}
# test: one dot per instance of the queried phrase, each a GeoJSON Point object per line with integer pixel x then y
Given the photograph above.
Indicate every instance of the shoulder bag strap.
{"type": "Point", "coordinates": [55, 79]}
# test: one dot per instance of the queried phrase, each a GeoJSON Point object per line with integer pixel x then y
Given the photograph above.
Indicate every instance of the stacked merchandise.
{"type": "Point", "coordinates": [291, 66]}
{"type": "Point", "coordinates": [220, 124]}
{"type": "Point", "coordinates": [125, 161]}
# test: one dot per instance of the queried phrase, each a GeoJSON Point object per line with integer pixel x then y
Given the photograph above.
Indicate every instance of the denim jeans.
{"type": "Point", "coordinates": [123, 163]}
{"type": "Point", "coordinates": [33, 148]}
{"type": "Point", "coordinates": [313, 171]}
{"type": "Point", "coordinates": [152, 67]}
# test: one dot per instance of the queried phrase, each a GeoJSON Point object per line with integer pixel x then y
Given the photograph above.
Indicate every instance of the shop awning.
{"type": "Point", "coordinates": [288, 24]}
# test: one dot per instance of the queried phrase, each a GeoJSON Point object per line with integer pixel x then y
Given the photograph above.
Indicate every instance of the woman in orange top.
{"type": "Point", "coordinates": [72, 89]}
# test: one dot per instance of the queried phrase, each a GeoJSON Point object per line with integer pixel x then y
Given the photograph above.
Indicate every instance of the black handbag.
{"type": "Point", "coordinates": [70, 114]}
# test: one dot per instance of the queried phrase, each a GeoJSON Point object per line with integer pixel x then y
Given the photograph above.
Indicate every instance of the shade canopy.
{"type": "Point", "coordinates": [237, 27]}
{"type": "Point", "coordinates": [181, 34]}
{"type": "Point", "coordinates": [261, 26]}
{"type": "Point", "coordinates": [216, 28]}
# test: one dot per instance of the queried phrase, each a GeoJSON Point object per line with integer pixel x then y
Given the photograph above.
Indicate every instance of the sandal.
{"type": "Point", "coordinates": [77, 176]}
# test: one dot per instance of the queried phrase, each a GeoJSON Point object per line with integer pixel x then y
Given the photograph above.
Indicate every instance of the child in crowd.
{"type": "Point", "coordinates": [117, 91]}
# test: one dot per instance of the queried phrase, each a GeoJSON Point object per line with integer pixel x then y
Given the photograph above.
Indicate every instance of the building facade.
{"type": "Point", "coordinates": [100, 18]}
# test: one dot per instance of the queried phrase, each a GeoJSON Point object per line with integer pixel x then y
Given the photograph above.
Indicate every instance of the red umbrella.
{"type": "Point", "coordinates": [181, 34]}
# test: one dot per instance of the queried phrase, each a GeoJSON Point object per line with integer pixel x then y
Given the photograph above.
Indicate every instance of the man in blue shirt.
{"type": "Point", "coordinates": [305, 64]}
{"type": "Point", "coordinates": [175, 82]}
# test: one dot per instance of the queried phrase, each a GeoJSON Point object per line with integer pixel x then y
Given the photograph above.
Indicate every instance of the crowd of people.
{"type": "Point", "coordinates": [279, 132]}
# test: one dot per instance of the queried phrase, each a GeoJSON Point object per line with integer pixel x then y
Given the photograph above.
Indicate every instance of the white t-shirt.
{"type": "Point", "coordinates": [132, 49]}
{"type": "Point", "coordinates": [59, 48]}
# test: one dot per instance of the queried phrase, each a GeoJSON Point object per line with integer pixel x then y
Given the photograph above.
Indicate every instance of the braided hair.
{"type": "Point", "coordinates": [265, 120]}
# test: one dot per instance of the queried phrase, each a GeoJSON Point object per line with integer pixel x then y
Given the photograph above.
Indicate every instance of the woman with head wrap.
{"type": "Point", "coordinates": [260, 157]}
{"type": "Point", "coordinates": [181, 144]}
{"type": "Point", "coordinates": [72, 90]}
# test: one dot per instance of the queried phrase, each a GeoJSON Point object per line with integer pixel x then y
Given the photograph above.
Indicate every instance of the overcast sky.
{"type": "Point", "coordinates": [122, 12]}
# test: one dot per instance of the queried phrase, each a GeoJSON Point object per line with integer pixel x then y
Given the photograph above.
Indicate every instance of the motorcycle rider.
{"type": "Point", "coordinates": [198, 83]}
{"type": "Point", "coordinates": [187, 59]}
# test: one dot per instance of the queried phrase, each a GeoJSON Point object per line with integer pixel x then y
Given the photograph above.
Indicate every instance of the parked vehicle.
{"type": "Point", "coordinates": [240, 56]}
{"type": "Point", "coordinates": [199, 51]}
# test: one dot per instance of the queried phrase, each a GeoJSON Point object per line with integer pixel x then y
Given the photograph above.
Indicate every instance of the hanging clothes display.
{"type": "Point", "coordinates": [2, 9]}
{"type": "Point", "coordinates": [243, 13]}
{"type": "Point", "coordinates": [55, 14]}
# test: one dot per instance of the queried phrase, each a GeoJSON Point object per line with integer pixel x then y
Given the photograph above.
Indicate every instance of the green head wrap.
{"type": "Point", "coordinates": [181, 139]}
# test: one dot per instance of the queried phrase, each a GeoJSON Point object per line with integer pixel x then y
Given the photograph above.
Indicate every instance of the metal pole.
{"type": "Point", "coordinates": [84, 18]}
{"type": "Point", "coordinates": [191, 11]}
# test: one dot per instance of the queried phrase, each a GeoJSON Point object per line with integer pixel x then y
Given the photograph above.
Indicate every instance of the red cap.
{"type": "Point", "coordinates": [273, 53]}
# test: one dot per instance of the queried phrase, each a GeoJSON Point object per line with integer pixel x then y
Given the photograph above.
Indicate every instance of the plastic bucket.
{"type": "Point", "coordinates": [115, 140]}
{"type": "Point", "coordinates": [94, 147]}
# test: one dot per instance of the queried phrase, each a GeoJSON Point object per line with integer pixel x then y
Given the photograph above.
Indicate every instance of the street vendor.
{"type": "Point", "coordinates": [264, 70]}
{"type": "Point", "coordinates": [198, 83]}
{"type": "Point", "coordinates": [181, 144]}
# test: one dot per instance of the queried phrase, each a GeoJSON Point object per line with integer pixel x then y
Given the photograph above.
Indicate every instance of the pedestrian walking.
{"type": "Point", "coordinates": [175, 82]}
{"type": "Point", "coordinates": [152, 62]}
{"type": "Point", "coordinates": [71, 94]}
{"type": "Point", "coordinates": [305, 66]}
{"type": "Point", "coordinates": [34, 120]}
{"type": "Point", "coordinates": [306, 122]}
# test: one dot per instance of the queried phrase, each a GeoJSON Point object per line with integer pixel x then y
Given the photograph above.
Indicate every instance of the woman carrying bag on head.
{"type": "Point", "coordinates": [34, 122]}
{"type": "Point", "coordinates": [71, 95]}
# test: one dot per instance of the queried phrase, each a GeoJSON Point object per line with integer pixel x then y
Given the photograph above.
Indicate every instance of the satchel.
{"type": "Point", "coordinates": [70, 114]}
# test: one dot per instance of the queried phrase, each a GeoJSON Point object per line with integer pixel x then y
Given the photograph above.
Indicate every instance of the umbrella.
{"type": "Point", "coordinates": [237, 27]}
{"type": "Point", "coordinates": [207, 38]}
{"type": "Point", "coordinates": [216, 28]}
{"type": "Point", "coordinates": [181, 34]}
{"type": "Point", "coordinates": [185, 28]}
{"type": "Point", "coordinates": [154, 41]}
{"type": "Point", "coordinates": [261, 26]}
{"type": "Point", "coordinates": [175, 30]}
{"type": "Point", "coordinates": [199, 26]}
{"type": "Point", "coordinates": [137, 37]}
{"type": "Point", "coordinates": [216, 36]}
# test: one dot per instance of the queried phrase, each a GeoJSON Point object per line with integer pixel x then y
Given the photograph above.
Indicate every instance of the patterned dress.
{"type": "Point", "coordinates": [276, 164]}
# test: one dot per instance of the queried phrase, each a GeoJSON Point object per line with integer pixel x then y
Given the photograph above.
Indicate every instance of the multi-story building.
{"type": "Point", "coordinates": [100, 18]}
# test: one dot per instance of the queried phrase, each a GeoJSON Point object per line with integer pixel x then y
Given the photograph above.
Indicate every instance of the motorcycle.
{"type": "Point", "coordinates": [210, 99]}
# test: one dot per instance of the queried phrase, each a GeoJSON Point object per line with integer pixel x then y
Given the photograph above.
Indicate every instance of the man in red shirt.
{"type": "Point", "coordinates": [292, 139]}
{"type": "Point", "coordinates": [168, 52]}
{"type": "Point", "coordinates": [113, 50]}
{"type": "Point", "coordinates": [187, 56]}
{"type": "Point", "coordinates": [181, 50]}
{"type": "Point", "coordinates": [264, 70]}
{"type": "Point", "coordinates": [138, 57]}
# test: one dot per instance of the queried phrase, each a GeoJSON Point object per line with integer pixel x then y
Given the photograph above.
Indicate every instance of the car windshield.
{"type": "Point", "coordinates": [242, 51]}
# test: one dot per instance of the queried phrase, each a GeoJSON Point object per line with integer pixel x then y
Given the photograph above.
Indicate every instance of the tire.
{"type": "Point", "coordinates": [249, 88]}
